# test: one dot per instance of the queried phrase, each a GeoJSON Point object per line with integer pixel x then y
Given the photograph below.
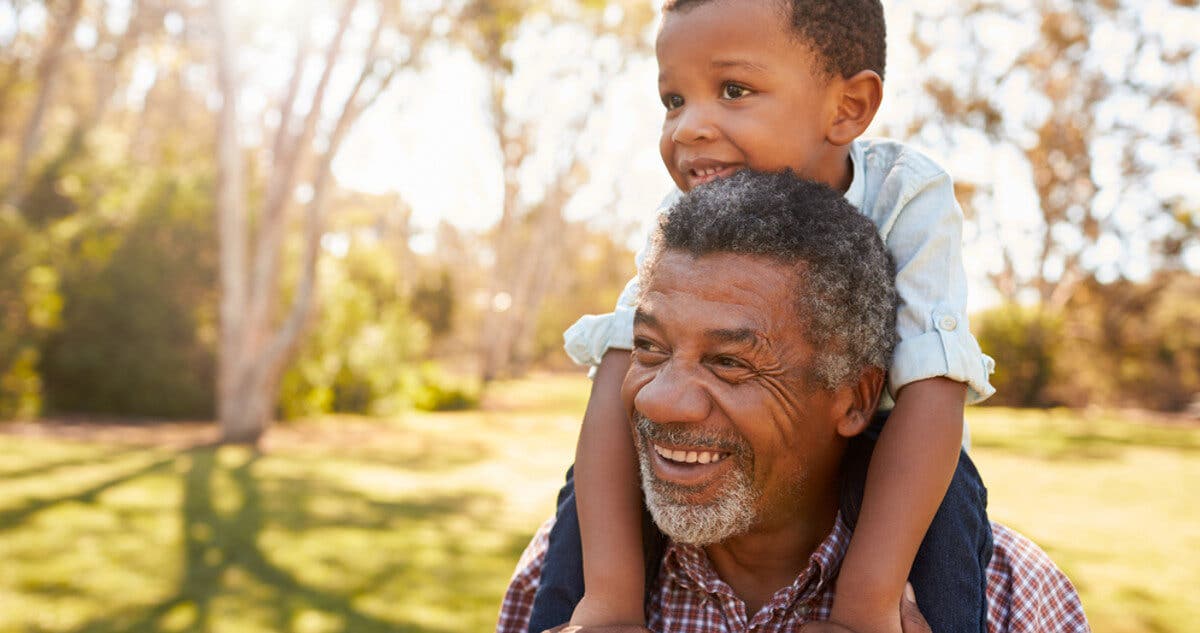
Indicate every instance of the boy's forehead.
{"type": "Point", "coordinates": [773, 15]}
{"type": "Point", "coordinates": [727, 32]}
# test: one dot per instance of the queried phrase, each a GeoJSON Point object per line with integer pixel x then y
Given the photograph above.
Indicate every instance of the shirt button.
{"type": "Point", "coordinates": [948, 323]}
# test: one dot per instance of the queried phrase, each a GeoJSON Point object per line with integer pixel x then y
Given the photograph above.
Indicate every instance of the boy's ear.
{"type": "Point", "coordinates": [858, 402]}
{"type": "Point", "coordinates": [858, 101]}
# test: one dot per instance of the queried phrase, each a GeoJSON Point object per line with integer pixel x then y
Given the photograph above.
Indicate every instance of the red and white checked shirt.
{"type": "Point", "coordinates": [1026, 592]}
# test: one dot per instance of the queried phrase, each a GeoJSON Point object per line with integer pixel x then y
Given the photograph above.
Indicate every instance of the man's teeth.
{"type": "Point", "coordinates": [709, 171]}
{"type": "Point", "coordinates": [689, 457]}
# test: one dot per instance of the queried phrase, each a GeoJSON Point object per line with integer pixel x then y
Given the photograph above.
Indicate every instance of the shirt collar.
{"type": "Point", "coordinates": [857, 192]}
{"type": "Point", "coordinates": [690, 567]}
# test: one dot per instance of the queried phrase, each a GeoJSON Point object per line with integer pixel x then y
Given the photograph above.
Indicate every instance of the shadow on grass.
{"type": "Point", "coordinates": [49, 468]}
{"type": "Point", "coordinates": [219, 543]}
{"type": "Point", "coordinates": [13, 518]}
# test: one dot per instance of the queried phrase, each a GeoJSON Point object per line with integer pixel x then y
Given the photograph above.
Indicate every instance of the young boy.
{"type": "Point", "coordinates": [771, 85]}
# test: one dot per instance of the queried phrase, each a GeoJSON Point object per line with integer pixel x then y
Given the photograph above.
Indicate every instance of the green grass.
{"type": "Point", "coordinates": [415, 523]}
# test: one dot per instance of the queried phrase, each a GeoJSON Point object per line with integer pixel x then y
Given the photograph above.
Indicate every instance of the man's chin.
{"type": "Point", "coordinates": [694, 517]}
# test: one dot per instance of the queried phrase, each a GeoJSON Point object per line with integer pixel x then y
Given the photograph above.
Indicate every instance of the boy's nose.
{"type": "Point", "coordinates": [694, 124]}
{"type": "Point", "coordinates": [673, 395]}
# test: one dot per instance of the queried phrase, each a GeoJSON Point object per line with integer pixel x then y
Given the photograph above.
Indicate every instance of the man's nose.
{"type": "Point", "coordinates": [675, 394]}
{"type": "Point", "coordinates": [694, 124]}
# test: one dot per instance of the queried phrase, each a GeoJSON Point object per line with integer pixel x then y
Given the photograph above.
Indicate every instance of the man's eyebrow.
{"type": "Point", "coordinates": [743, 335]}
{"type": "Point", "coordinates": [641, 317]}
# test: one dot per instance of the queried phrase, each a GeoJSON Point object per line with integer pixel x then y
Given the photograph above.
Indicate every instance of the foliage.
{"type": "Point", "coordinates": [1024, 341]}
{"type": "Point", "coordinates": [1118, 344]}
{"type": "Point", "coordinates": [435, 302]}
{"type": "Point", "coordinates": [1085, 101]}
{"type": "Point", "coordinates": [1134, 344]}
{"type": "Point", "coordinates": [436, 392]}
{"type": "Point", "coordinates": [30, 306]}
{"type": "Point", "coordinates": [356, 362]}
{"type": "Point", "coordinates": [137, 324]}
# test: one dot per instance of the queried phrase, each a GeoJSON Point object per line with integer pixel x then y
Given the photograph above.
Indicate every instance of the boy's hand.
{"type": "Point", "coordinates": [599, 611]}
{"type": "Point", "coordinates": [911, 620]}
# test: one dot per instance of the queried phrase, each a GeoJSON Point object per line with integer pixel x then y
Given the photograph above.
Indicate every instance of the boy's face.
{"type": "Point", "coordinates": [742, 92]}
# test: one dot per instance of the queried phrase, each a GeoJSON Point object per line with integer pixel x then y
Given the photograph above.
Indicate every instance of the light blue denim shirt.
{"type": "Point", "coordinates": [910, 198]}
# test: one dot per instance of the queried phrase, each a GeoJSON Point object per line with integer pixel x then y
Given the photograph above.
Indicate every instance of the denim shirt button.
{"type": "Point", "coordinates": [948, 323]}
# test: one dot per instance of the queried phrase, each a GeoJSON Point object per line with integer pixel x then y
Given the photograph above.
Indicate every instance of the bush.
{"type": "Point", "coordinates": [435, 392]}
{"type": "Point", "coordinates": [138, 324]}
{"type": "Point", "coordinates": [1024, 341]}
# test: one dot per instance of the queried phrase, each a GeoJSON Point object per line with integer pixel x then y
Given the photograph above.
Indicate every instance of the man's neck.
{"type": "Point", "coordinates": [759, 563]}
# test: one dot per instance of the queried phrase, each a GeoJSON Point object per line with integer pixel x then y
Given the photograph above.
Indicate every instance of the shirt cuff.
{"type": "Point", "coordinates": [594, 334]}
{"type": "Point", "coordinates": [950, 351]}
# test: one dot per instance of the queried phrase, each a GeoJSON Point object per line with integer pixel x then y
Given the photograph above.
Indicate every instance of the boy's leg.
{"type": "Point", "coordinates": [561, 585]}
{"type": "Point", "coordinates": [949, 574]}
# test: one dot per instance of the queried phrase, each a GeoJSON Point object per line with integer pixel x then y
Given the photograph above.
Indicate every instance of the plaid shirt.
{"type": "Point", "coordinates": [1026, 592]}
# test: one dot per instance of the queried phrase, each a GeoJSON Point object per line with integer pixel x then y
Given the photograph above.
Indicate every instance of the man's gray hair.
{"type": "Point", "coordinates": [847, 292]}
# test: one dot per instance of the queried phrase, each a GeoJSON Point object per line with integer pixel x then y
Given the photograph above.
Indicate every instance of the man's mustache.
{"type": "Point", "coordinates": [686, 435]}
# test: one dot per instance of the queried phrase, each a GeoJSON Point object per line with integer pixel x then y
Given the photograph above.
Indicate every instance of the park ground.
{"type": "Point", "coordinates": [415, 523]}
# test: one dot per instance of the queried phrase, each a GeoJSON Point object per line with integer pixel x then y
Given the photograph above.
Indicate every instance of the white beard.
{"type": "Point", "coordinates": [731, 514]}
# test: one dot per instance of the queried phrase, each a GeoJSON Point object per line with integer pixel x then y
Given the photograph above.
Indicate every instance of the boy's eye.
{"type": "Point", "coordinates": [734, 91]}
{"type": "Point", "coordinates": [672, 101]}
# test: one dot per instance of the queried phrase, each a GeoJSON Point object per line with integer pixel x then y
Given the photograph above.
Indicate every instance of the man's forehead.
{"type": "Point", "coordinates": [730, 295]}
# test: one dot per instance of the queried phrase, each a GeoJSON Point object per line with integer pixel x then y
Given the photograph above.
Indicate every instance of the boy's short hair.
{"type": "Point", "coordinates": [848, 35]}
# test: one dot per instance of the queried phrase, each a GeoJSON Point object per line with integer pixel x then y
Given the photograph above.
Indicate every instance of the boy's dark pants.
{"type": "Point", "coordinates": [949, 574]}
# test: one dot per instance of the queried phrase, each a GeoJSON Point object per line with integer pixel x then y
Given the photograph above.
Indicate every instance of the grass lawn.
{"type": "Point", "coordinates": [414, 523]}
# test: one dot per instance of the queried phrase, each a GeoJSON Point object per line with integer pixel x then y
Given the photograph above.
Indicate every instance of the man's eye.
{"type": "Point", "coordinates": [646, 346]}
{"type": "Point", "coordinates": [672, 101]}
{"type": "Point", "coordinates": [734, 91]}
{"type": "Point", "coordinates": [728, 362]}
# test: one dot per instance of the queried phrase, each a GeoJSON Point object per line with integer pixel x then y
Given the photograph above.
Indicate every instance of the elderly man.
{"type": "Point", "coordinates": [760, 341]}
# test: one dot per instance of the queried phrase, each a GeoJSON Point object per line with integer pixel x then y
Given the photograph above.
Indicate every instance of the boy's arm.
{"type": "Point", "coordinates": [609, 502]}
{"type": "Point", "coordinates": [910, 470]}
{"type": "Point", "coordinates": [608, 493]}
{"type": "Point", "coordinates": [936, 365]}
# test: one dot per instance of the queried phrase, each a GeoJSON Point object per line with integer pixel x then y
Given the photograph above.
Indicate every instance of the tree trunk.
{"type": "Point", "coordinates": [254, 349]}
{"type": "Point", "coordinates": [47, 75]}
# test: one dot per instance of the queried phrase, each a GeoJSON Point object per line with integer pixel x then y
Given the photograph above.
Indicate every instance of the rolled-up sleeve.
{"type": "Point", "coordinates": [925, 238]}
{"type": "Point", "coordinates": [594, 334]}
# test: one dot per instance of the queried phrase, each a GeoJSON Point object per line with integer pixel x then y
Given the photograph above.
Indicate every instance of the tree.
{"type": "Point", "coordinates": [1102, 135]}
{"type": "Point", "coordinates": [48, 68]}
{"type": "Point", "coordinates": [526, 242]}
{"type": "Point", "coordinates": [256, 343]}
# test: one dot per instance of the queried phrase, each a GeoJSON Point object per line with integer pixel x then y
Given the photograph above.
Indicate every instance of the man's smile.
{"type": "Point", "coordinates": [689, 457]}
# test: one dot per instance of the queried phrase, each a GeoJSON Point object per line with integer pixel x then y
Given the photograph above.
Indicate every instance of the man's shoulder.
{"type": "Point", "coordinates": [885, 158]}
{"type": "Point", "coordinates": [1027, 592]}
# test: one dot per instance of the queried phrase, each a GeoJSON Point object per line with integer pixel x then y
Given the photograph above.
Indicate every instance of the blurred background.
{"type": "Point", "coordinates": [282, 288]}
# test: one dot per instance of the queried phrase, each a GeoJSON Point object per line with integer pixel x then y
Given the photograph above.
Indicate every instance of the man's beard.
{"type": "Point", "coordinates": [731, 513]}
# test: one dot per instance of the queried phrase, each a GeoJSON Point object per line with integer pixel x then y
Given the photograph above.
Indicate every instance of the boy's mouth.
{"type": "Point", "coordinates": [707, 171]}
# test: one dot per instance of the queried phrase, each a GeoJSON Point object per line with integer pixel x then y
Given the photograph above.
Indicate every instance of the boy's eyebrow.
{"type": "Point", "coordinates": [739, 63]}
{"type": "Point", "coordinates": [728, 63]}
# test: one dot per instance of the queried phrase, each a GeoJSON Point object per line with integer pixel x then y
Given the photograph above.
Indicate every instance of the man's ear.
{"type": "Point", "coordinates": [859, 97]}
{"type": "Point", "coordinates": [859, 401]}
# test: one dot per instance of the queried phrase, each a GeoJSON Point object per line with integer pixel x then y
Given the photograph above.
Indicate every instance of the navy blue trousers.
{"type": "Point", "coordinates": [949, 574]}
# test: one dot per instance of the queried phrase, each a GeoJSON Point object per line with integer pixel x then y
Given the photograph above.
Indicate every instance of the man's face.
{"type": "Point", "coordinates": [731, 432]}
{"type": "Point", "coordinates": [740, 91]}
